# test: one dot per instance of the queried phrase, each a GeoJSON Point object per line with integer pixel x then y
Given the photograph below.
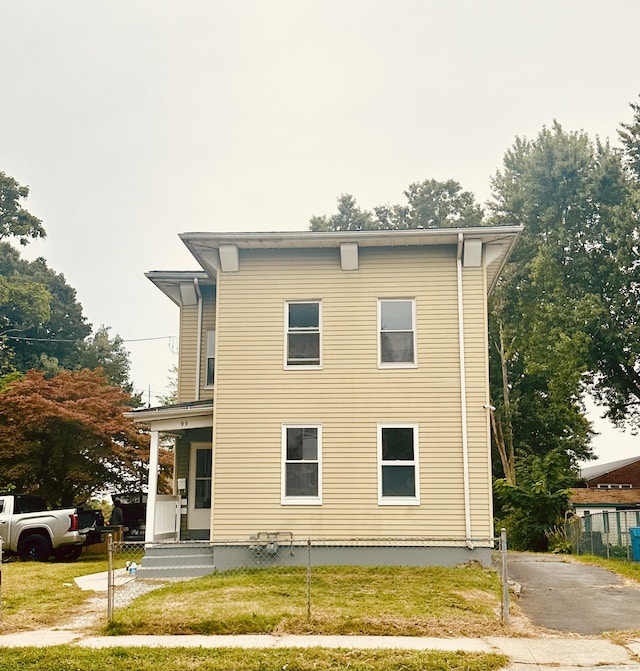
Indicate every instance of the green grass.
{"type": "Point", "coordinates": [432, 601]}
{"type": "Point", "coordinates": [66, 658]}
{"type": "Point", "coordinates": [622, 567]}
{"type": "Point", "coordinates": [38, 595]}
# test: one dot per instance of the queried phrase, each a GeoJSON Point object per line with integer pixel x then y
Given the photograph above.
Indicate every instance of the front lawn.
{"type": "Point", "coordinates": [431, 601]}
{"type": "Point", "coordinates": [41, 595]}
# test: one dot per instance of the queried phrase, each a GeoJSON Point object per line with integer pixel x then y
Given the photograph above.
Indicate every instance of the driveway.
{"type": "Point", "coordinates": [568, 596]}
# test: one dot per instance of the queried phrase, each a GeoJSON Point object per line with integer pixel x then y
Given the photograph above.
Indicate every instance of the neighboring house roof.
{"type": "Point", "coordinates": [591, 472]}
{"type": "Point", "coordinates": [213, 250]}
{"type": "Point", "coordinates": [584, 496]}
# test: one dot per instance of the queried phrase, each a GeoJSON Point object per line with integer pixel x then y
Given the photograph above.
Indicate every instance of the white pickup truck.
{"type": "Point", "coordinates": [34, 533]}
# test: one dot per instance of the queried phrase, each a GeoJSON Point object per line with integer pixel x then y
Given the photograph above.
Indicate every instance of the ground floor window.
{"type": "Point", "coordinates": [301, 464]}
{"type": "Point", "coordinates": [398, 464]}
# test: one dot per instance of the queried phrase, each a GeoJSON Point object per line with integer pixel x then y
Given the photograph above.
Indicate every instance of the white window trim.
{"type": "Point", "coordinates": [287, 365]}
{"type": "Point", "coordinates": [397, 364]}
{"type": "Point", "coordinates": [300, 500]}
{"type": "Point", "coordinates": [210, 354]}
{"type": "Point", "coordinates": [399, 500]}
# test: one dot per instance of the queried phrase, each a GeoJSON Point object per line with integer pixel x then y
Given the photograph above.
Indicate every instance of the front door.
{"type": "Point", "coordinates": [199, 486]}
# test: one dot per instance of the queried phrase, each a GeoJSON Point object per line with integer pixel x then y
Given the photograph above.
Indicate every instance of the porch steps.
{"type": "Point", "coordinates": [189, 559]}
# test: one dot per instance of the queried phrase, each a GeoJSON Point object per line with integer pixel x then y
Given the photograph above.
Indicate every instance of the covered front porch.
{"type": "Point", "coordinates": [185, 513]}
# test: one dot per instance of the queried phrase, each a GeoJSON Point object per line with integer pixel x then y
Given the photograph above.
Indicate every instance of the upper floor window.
{"type": "Point", "coordinates": [303, 320]}
{"type": "Point", "coordinates": [398, 464]}
{"type": "Point", "coordinates": [397, 333]}
{"type": "Point", "coordinates": [211, 358]}
{"type": "Point", "coordinates": [301, 464]}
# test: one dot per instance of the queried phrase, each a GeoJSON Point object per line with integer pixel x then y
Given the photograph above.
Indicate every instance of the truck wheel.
{"type": "Point", "coordinates": [68, 553]}
{"type": "Point", "coordinates": [34, 548]}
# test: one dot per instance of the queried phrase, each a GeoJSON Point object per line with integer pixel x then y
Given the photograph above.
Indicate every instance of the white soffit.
{"type": "Point", "coordinates": [472, 257]}
{"type": "Point", "coordinates": [229, 261]}
{"type": "Point", "coordinates": [349, 255]}
{"type": "Point", "coordinates": [492, 252]}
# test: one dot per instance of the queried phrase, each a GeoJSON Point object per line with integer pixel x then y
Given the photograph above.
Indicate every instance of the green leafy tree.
{"type": "Point", "coordinates": [56, 329]}
{"type": "Point", "coordinates": [630, 135]}
{"type": "Point", "coordinates": [15, 221]}
{"type": "Point", "coordinates": [430, 204]}
{"type": "Point", "coordinates": [42, 325]}
{"type": "Point", "coordinates": [348, 218]}
{"type": "Point", "coordinates": [565, 319]}
{"type": "Point", "coordinates": [66, 437]}
{"type": "Point", "coordinates": [100, 350]}
{"type": "Point", "coordinates": [611, 274]}
{"type": "Point", "coordinates": [538, 502]}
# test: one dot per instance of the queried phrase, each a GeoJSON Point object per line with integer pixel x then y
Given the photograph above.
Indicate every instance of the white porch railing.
{"type": "Point", "coordinates": [167, 518]}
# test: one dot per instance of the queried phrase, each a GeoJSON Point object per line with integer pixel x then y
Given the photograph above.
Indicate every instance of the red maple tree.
{"type": "Point", "coordinates": [66, 437]}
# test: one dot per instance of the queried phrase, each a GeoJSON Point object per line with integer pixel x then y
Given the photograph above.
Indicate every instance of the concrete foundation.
{"type": "Point", "coordinates": [227, 557]}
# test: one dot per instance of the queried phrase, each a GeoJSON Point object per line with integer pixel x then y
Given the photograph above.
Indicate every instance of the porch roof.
{"type": "Point", "coordinates": [175, 417]}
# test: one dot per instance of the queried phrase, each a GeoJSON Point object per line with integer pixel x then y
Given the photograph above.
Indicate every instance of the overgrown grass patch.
{"type": "Point", "coordinates": [37, 595]}
{"type": "Point", "coordinates": [622, 567]}
{"type": "Point", "coordinates": [67, 658]}
{"type": "Point", "coordinates": [431, 601]}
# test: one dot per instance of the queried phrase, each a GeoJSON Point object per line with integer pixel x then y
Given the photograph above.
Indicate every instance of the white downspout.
{"type": "Point", "coordinates": [152, 490]}
{"type": "Point", "coordinates": [463, 396]}
{"type": "Point", "coordinates": [199, 341]}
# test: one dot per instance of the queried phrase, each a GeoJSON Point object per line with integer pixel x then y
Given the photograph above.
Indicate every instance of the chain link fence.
{"type": "Point", "coordinates": [138, 568]}
{"type": "Point", "coordinates": [605, 534]}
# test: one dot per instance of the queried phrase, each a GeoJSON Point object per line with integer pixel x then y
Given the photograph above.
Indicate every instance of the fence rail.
{"type": "Point", "coordinates": [605, 534]}
{"type": "Point", "coordinates": [136, 568]}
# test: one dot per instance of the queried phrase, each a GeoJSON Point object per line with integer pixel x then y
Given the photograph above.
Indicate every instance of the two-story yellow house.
{"type": "Point", "coordinates": [335, 386]}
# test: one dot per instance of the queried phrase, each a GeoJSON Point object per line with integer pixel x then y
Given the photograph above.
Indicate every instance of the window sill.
{"type": "Point", "coordinates": [289, 367]}
{"type": "Point", "coordinates": [384, 366]}
{"type": "Point", "coordinates": [398, 501]}
{"type": "Point", "coordinates": [300, 501]}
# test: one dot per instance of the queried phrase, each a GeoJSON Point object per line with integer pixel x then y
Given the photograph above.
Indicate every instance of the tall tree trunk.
{"type": "Point", "coordinates": [501, 426]}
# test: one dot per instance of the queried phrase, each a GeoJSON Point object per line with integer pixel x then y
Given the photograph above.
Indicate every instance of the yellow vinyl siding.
{"type": "Point", "coordinates": [188, 357]}
{"type": "Point", "coordinates": [188, 353]}
{"type": "Point", "coordinates": [350, 395]}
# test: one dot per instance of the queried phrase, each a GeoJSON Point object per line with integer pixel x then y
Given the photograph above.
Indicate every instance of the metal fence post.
{"type": "Point", "coordinates": [505, 577]}
{"type": "Point", "coordinates": [309, 579]}
{"type": "Point", "coordinates": [109, 577]}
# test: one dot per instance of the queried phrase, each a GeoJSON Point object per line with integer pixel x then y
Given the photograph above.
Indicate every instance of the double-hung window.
{"type": "Point", "coordinates": [398, 481]}
{"type": "Point", "coordinates": [397, 332]}
{"type": "Point", "coordinates": [301, 464]}
{"type": "Point", "coordinates": [303, 343]}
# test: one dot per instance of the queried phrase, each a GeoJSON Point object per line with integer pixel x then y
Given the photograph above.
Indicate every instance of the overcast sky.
{"type": "Point", "coordinates": [134, 120]}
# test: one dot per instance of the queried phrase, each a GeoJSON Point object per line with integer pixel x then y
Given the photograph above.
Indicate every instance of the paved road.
{"type": "Point", "coordinates": [573, 597]}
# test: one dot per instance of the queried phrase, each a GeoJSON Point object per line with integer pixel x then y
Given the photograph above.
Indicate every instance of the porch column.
{"type": "Point", "coordinates": [152, 491]}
